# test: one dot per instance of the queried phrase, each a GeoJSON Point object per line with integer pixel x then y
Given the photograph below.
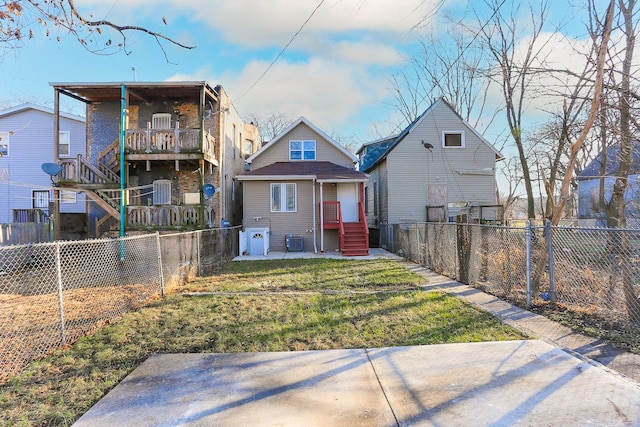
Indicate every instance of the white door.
{"type": "Point", "coordinates": [348, 198]}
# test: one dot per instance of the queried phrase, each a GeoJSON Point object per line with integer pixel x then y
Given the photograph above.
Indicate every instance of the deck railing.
{"type": "Point", "coordinates": [331, 214]}
{"type": "Point", "coordinates": [165, 216]}
{"type": "Point", "coordinates": [146, 141]}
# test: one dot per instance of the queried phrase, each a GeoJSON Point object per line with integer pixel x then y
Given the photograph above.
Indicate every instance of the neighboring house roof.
{"type": "Point", "coordinates": [375, 150]}
{"type": "Point", "coordinates": [321, 171]}
{"type": "Point", "coordinates": [613, 163]}
{"type": "Point", "coordinates": [29, 106]}
{"type": "Point", "coordinates": [314, 128]}
{"type": "Point", "coordinates": [373, 161]}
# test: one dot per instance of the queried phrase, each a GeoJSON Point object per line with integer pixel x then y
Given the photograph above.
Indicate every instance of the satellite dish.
{"type": "Point", "coordinates": [208, 190]}
{"type": "Point", "coordinates": [52, 169]}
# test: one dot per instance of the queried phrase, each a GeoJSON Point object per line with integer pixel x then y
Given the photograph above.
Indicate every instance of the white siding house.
{"type": "Point", "coordinates": [26, 142]}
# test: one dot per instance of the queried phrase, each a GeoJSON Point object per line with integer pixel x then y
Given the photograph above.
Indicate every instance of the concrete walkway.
{"type": "Point", "coordinates": [555, 380]}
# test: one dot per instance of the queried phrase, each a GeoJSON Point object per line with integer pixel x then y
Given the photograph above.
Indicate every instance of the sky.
{"type": "Point", "coordinates": [327, 60]}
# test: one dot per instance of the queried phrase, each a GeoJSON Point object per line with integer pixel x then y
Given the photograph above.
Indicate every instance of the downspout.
{"type": "Point", "coordinates": [321, 217]}
{"type": "Point", "coordinates": [123, 117]}
{"type": "Point", "coordinates": [315, 244]}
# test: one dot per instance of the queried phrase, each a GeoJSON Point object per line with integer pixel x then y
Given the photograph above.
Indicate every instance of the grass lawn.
{"type": "Point", "coordinates": [250, 306]}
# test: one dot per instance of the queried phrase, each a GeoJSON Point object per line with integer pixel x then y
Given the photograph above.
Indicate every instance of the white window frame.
{"type": "Point", "coordinates": [64, 135]}
{"type": "Point", "coordinates": [39, 196]}
{"type": "Point", "coordinates": [453, 132]}
{"type": "Point", "coordinates": [67, 197]}
{"type": "Point", "coordinates": [303, 150]}
{"type": "Point", "coordinates": [281, 204]}
{"type": "Point", "coordinates": [4, 142]}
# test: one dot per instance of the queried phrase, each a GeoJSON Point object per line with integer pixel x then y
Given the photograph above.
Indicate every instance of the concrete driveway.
{"type": "Point", "coordinates": [527, 383]}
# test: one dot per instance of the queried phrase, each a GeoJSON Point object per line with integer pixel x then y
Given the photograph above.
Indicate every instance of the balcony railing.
{"type": "Point", "coordinates": [168, 216]}
{"type": "Point", "coordinates": [147, 141]}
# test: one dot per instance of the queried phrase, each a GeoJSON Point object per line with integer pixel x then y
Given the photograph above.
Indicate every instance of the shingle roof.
{"type": "Point", "coordinates": [320, 170]}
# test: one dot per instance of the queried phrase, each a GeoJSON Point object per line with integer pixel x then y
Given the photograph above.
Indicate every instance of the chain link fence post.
{"type": "Point", "coordinates": [198, 260]}
{"type": "Point", "coordinates": [161, 276]}
{"type": "Point", "coordinates": [527, 234]}
{"type": "Point", "coordinates": [60, 289]}
{"type": "Point", "coordinates": [552, 283]}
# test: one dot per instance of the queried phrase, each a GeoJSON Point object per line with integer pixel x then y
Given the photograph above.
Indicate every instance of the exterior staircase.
{"type": "Point", "coordinates": [355, 241]}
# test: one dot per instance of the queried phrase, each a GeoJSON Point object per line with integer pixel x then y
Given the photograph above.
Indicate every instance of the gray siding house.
{"type": "Point", "coordinates": [437, 168]}
{"type": "Point", "coordinates": [26, 142]}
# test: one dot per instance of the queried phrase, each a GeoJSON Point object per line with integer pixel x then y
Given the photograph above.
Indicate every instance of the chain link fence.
{"type": "Point", "coordinates": [590, 271]}
{"type": "Point", "coordinates": [52, 294]}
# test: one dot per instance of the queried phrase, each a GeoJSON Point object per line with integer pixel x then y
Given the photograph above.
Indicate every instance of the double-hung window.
{"type": "Point", "coordinates": [302, 150]}
{"type": "Point", "coordinates": [283, 197]}
{"type": "Point", "coordinates": [64, 145]}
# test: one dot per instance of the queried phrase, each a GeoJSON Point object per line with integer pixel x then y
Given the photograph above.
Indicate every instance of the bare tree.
{"type": "Point", "coordinates": [22, 20]}
{"type": "Point", "coordinates": [448, 66]}
{"type": "Point", "coordinates": [500, 34]}
{"type": "Point", "coordinates": [270, 125]}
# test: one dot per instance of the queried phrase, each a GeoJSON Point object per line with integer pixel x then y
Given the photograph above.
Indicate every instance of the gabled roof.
{"type": "Point", "coordinates": [373, 161]}
{"type": "Point", "coordinates": [29, 106]}
{"type": "Point", "coordinates": [321, 171]}
{"type": "Point", "coordinates": [613, 163]}
{"type": "Point", "coordinates": [314, 128]}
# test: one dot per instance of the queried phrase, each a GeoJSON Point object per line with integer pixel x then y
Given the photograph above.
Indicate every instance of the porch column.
{"type": "Point", "coordinates": [315, 227]}
{"type": "Point", "coordinates": [321, 217]}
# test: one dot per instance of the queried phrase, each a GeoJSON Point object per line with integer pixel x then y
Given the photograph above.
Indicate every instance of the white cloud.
{"type": "Point", "coordinates": [325, 92]}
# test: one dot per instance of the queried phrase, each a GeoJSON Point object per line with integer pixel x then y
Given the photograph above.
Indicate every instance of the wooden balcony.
{"type": "Point", "coordinates": [169, 217]}
{"type": "Point", "coordinates": [170, 144]}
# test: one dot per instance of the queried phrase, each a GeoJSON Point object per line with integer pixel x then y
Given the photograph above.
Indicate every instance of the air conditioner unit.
{"type": "Point", "coordinates": [191, 198]}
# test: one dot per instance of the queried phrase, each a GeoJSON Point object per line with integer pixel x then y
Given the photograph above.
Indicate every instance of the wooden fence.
{"type": "Point", "coordinates": [24, 233]}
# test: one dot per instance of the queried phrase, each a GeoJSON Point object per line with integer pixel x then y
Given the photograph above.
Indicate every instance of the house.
{"type": "Point", "coordinates": [589, 212]}
{"type": "Point", "coordinates": [302, 192]}
{"type": "Point", "coordinates": [436, 169]}
{"type": "Point", "coordinates": [171, 148]}
{"type": "Point", "coordinates": [26, 143]}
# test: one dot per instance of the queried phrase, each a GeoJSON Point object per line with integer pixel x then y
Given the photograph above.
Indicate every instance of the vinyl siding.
{"type": "Point", "coordinates": [325, 151]}
{"type": "Point", "coordinates": [411, 168]}
{"type": "Point", "coordinates": [31, 145]}
{"type": "Point", "coordinates": [257, 203]}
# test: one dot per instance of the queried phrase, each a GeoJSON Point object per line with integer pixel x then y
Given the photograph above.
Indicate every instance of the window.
{"type": "Point", "coordinates": [67, 197]}
{"type": "Point", "coordinates": [283, 197]}
{"type": "Point", "coordinates": [375, 199]}
{"type": "Point", "coordinates": [161, 121]}
{"type": "Point", "coordinates": [366, 200]}
{"type": "Point", "coordinates": [302, 150]}
{"type": "Point", "coordinates": [162, 192]}
{"type": "Point", "coordinates": [41, 199]}
{"type": "Point", "coordinates": [248, 148]}
{"type": "Point", "coordinates": [4, 144]}
{"type": "Point", "coordinates": [452, 139]}
{"type": "Point", "coordinates": [64, 146]}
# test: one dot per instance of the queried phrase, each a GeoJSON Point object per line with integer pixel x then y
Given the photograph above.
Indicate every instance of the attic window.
{"type": "Point", "coordinates": [302, 150]}
{"type": "Point", "coordinates": [453, 139]}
